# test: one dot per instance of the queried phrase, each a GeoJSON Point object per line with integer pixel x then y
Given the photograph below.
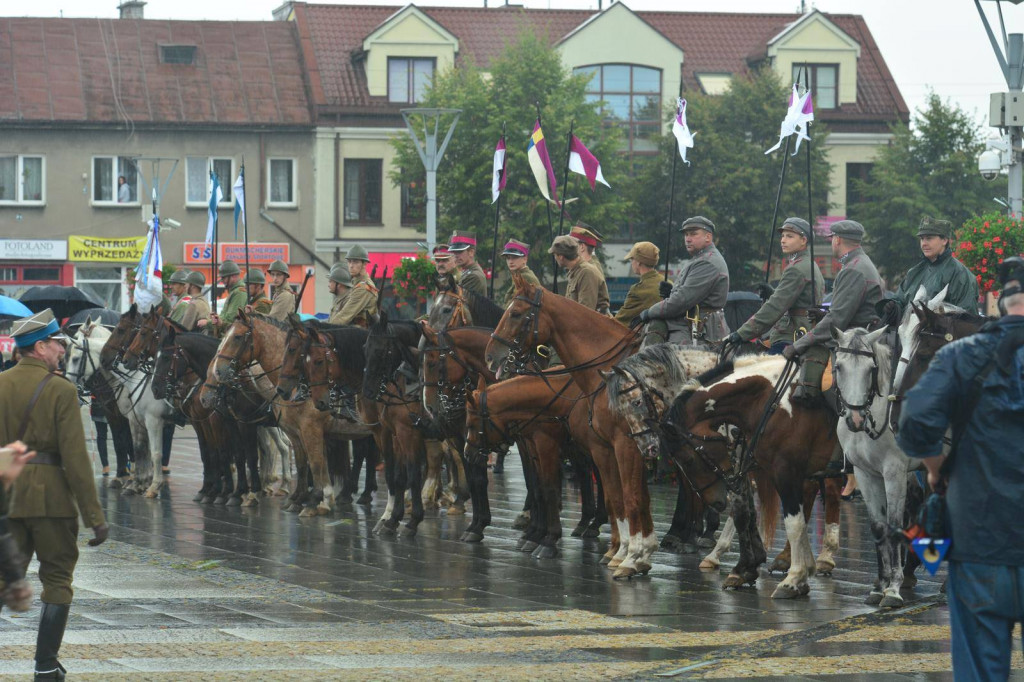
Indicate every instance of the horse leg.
{"type": "Point", "coordinates": [744, 516]}
{"type": "Point", "coordinates": [401, 485]}
{"type": "Point", "coordinates": [714, 558]}
{"type": "Point", "coordinates": [802, 564]}
{"type": "Point", "coordinates": [547, 447]}
{"type": "Point", "coordinates": [830, 491]}
{"type": "Point", "coordinates": [911, 509]}
{"type": "Point", "coordinates": [679, 538]}
{"type": "Point", "coordinates": [534, 531]}
{"type": "Point", "coordinates": [601, 511]}
{"type": "Point", "coordinates": [712, 520]}
{"type": "Point", "coordinates": [387, 452]}
{"type": "Point", "coordinates": [895, 500]}
{"type": "Point", "coordinates": [363, 454]}
{"type": "Point", "coordinates": [432, 483]}
{"type": "Point", "coordinates": [322, 496]}
{"type": "Point", "coordinates": [584, 471]}
{"type": "Point", "coordinates": [204, 440]}
{"type": "Point", "coordinates": [477, 471]}
{"type": "Point", "coordinates": [240, 449]}
{"type": "Point", "coordinates": [121, 431]}
{"type": "Point", "coordinates": [415, 454]}
{"type": "Point", "coordinates": [155, 429]}
{"type": "Point", "coordinates": [642, 540]}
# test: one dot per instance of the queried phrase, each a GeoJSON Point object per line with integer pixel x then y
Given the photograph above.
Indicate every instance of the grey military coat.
{"type": "Point", "coordinates": [858, 287]}
{"type": "Point", "coordinates": [703, 281]}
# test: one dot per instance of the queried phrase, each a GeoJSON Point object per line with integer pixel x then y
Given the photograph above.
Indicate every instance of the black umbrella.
{"type": "Point", "coordinates": [105, 316]}
{"type": "Point", "coordinates": [63, 301]}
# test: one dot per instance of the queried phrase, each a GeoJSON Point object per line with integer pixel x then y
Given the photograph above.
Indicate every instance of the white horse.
{"type": "Point", "coordinates": [146, 414]}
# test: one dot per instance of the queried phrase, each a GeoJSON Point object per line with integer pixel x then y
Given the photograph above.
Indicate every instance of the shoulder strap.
{"type": "Point", "coordinates": [960, 424]}
{"type": "Point", "coordinates": [31, 404]}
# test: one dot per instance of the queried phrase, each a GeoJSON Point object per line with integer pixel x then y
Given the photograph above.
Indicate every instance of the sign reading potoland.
{"type": "Point", "coordinates": [260, 253]}
{"type": "Point", "coordinates": [33, 249]}
{"type": "Point", "coordinates": [105, 249]}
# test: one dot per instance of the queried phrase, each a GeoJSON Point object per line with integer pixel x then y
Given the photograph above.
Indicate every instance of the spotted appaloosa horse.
{"type": "Point", "coordinates": [586, 341]}
{"type": "Point", "coordinates": [795, 442]}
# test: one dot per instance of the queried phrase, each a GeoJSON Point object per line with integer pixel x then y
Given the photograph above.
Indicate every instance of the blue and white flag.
{"type": "Point", "coordinates": [149, 289]}
{"type": "Point", "coordinates": [216, 196]}
{"type": "Point", "coordinates": [239, 189]}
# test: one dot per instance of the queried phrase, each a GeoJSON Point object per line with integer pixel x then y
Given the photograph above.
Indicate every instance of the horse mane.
{"type": "Point", "coordinates": [349, 343]}
{"type": "Point", "coordinates": [660, 359]}
{"type": "Point", "coordinates": [483, 311]}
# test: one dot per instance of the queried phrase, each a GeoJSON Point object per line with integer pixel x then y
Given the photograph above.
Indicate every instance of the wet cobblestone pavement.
{"type": "Point", "coordinates": [191, 592]}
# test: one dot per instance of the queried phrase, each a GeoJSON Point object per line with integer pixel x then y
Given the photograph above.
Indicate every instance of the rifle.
{"type": "Point", "coordinates": [302, 289]}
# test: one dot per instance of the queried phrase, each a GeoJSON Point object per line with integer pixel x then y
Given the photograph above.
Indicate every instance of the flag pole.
{"type": "Point", "coordinates": [565, 177]}
{"type": "Point", "coordinates": [672, 193]}
{"type": "Point", "coordinates": [810, 212]}
{"type": "Point", "coordinates": [551, 224]}
{"type": "Point", "coordinates": [213, 254]}
{"type": "Point", "coordinates": [497, 211]}
{"type": "Point", "coordinates": [775, 212]}
{"type": "Point", "coordinates": [245, 232]}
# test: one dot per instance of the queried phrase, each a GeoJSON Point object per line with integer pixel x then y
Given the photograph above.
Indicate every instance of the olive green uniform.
{"type": "Point", "coordinates": [785, 312]}
{"type": "Point", "coordinates": [945, 271]}
{"type": "Point", "coordinates": [604, 299]}
{"type": "Point", "coordinates": [694, 311]}
{"type": "Point", "coordinates": [284, 303]}
{"type": "Point", "coordinates": [473, 279]}
{"type": "Point", "coordinates": [261, 304]}
{"type": "Point", "coordinates": [858, 287]}
{"type": "Point", "coordinates": [641, 296]}
{"type": "Point", "coordinates": [179, 309]}
{"type": "Point", "coordinates": [528, 277]}
{"type": "Point", "coordinates": [235, 302]}
{"type": "Point", "coordinates": [339, 303]}
{"type": "Point", "coordinates": [358, 305]}
{"type": "Point", "coordinates": [198, 309]}
{"type": "Point", "coordinates": [46, 499]}
{"type": "Point", "coordinates": [584, 285]}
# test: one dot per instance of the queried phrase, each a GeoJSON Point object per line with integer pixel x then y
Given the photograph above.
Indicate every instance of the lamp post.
{"type": "Point", "coordinates": [430, 154]}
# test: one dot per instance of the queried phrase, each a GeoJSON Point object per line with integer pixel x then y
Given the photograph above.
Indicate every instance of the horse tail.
{"type": "Point", "coordinates": [770, 503]}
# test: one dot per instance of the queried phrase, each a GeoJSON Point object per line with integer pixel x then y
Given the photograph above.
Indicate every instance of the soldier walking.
{"type": "Point", "coordinates": [694, 307]}
{"type": "Point", "coordinates": [285, 301]}
{"type": "Point", "coordinates": [41, 409]}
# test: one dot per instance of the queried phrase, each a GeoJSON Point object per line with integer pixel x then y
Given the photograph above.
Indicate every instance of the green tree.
{"type": "Point", "coordinates": [528, 73]}
{"type": "Point", "coordinates": [731, 180]}
{"type": "Point", "coordinates": [928, 170]}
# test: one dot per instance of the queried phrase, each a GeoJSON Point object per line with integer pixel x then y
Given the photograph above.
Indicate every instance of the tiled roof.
{"type": "Point", "coordinates": [332, 38]}
{"type": "Point", "coordinates": [109, 71]}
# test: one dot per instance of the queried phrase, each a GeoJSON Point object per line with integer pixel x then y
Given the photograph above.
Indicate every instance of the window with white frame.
{"type": "Point", "coordinates": [408, 78]}
{"type": "Point", "coordinates": [104, 282]}
{"type": "Point", "coordinates": [823, 81]}
{"type": "Point", "coordinates": [22, 179]}
{"type": "Point", "coordinates": [281, 182]}
{"type": "Point", "coordinates": [115, 180]}
{"type": "Point", "coordinates": [197, 179]}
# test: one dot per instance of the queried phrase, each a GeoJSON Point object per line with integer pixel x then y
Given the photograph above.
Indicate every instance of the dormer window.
{"type": "Point", "coordinates": [823, 80]}
{"type": "Point", "coordinates": [408, 79]}
{"type": "Point", "coordinates": [178, 54]}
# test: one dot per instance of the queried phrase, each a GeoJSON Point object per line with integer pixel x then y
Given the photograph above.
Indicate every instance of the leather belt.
{"type": "Point", "coordinates": [47, 458]}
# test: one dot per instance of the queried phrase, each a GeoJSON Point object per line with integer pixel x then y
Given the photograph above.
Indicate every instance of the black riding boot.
{"type": "Point", "coordinates": [52, 622]}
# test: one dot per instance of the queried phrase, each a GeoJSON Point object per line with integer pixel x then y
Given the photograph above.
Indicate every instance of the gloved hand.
{"type": "Point", "coordinates": [100, 534]}
{"type": "Point", "coordinates": [642, 318]}
{"type": "Point", "coordinates": [891, 313]}
{"type": "Point", "coordinates": [790, 352]}
{"type": "Point", "coordinates": [733, 339]}
{"type": "Point", "coordinates": [816, 315]}
{"type": "Point", "coordinates": [765, 290]}
{"type": "Point", "coordinates": [664, 289]}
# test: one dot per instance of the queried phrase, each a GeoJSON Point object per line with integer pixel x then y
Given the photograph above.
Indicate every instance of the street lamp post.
{"type": "Point", "coordinates": [430, 154]}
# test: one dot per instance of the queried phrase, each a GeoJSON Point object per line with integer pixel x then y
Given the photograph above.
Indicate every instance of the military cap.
{"type": "Point", "coordinates": [38, 327]}
{"type": "Point", "coordinates": [227, 268]}
{"type": "Point", "coordinates": [586, 234]}
{"type": "Point", "coordinates": [339, 274]}
{"type": "Point", "coordinates": [460, 241]}
{"type": "Point", "coordinates": [698, 221]}
{"type": "Point", "coordinates": [179, 277]}
{"type": "Point", "coordinates": [798, 225]}
{"type": "Point", "coordinates": [567, 246]}
{"type": "Point", "coordinates": [645, 253]}
{"type": "Point", "coordinates": [279, 266]}
{"type": "Point", "coordinates": [196, 279]}
{"type": "Point", "coordinates": [514, 247]}
{"type": "Point", "coordinates": [933, 226]}
{"type": "Point", "coordinates": [255, 276]}
{"type": "Point", "coordinates": [848, 229]}
{"type": "Point", "coordinates": [441, 252]}
{"type": "Point", "coordinates": [357, 252]}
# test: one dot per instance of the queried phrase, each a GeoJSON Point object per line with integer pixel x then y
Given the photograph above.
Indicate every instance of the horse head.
{"type": "Point", "coordinates": [638, 405]}
{"type": "Point", "coordinates": [860, 372]}
{"type": "Point", "coordinates": [521, 328]}
{"type": "Point", "coordinates": [121, 337]}
{"type": "Point", "coordinates": [143, 347]}
{"type": "Point", "coordinates": [84, 352]}
{"type": "Point", "coordinates": [293, 373]}
{"type": "Point", "coordinates": [170, 366]}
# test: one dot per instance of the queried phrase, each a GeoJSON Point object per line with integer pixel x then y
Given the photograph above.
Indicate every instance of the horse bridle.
{"type": "Point", "coordinates": [648, 399]}
{"type": "Point", "coordinates": [301, 392]}
{"type": "Point", "coordinates": [451, 397]}
{"type": "Point", "coordinates": [870, 426]}
{"type": "Point", "coordinates": [395, 399]}
{"type": "Point", "coordinates": [148, 352]}
{"type": "Point", "coordinates": [518, 355]}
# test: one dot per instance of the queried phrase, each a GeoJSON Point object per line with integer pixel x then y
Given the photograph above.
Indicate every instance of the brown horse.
{"type": "Point", "coordinates": [794, 443]}
{"type": "Point", "coordinates": [586, 341]}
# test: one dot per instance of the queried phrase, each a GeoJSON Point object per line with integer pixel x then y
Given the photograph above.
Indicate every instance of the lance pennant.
{"type": "Point", "coordinates": [540, 164]}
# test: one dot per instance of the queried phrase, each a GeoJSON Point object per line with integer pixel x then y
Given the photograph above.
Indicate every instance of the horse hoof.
{"type": "Point", "coordinates": [130, 491]}
{"type": "Point", "coordinates": [521, 521]}
{"type": "Point", "coordinates": [675, 545]}
{"type": "Point", "coordinates": [605, 559]}
{"type": "Point", "coordinates": [472, 536]}
{"type": "Point", "coordinates": [822, 567]}
{"type": "Point", "coordinates": [624, 573]}
{"type": "Point", "coordinates": [732, 582]}
{"type": "Point", "coordinates": [409, 532]}
{"type": "Point", "coordinates": [705, 543]}
{"type": "Point", "coordinates": [151, 494]}
{"type": "Point", "coordinates": [592, 531]}
{"type": "Point", "coordinates": [116, 483]}
{"type": "Point", "coordinates": [784, 591]}
{"type": "Point", "coordinates": [580, 528]}
{"type": "Point", "coordinates": [365, 499]}
{"type": "Point", "coordinates": [208, 499]}
{"type": "Point", "coordinates": [642, 568]}
{"type": "Point", "coordinates": [234, 502]}
{"type": "Point", "coordinates": [615, 561]}
{"type": "Point", "coordinates": [307, 512]}
{"type": "Point", "coordinates": [909, 582]}
{"type": "Point", "coordinates": [387, 531]}
{"type": "Point", "coordinates": [891, 601]}
{"type": "Point", "coordinates": [455, 510]}
{"type": "Point", "coordinates": [780, 565]}
{"type": "Point", "coordinates": [545, 552]}
{"type": "Point", "coordinates": [220, 500]}
{"type": "Point", "coordinates": [874, 598]}
{"type": "Point", "coordinates": [529, 546]}
{"type": "Point", "coordinates": [707, 564]}
{"type": "Point", "coordinates": [199, 498]}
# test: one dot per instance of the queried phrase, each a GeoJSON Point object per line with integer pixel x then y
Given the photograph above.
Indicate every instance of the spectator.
{"type": "Point", "coordinates": [124, 190]}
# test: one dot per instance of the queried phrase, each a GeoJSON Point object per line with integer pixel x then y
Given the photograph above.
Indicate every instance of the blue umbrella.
{"type": "Point", "coordinates": [13, 309]}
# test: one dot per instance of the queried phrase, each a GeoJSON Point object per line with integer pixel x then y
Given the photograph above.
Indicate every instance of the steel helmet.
{"type": "Point", "coordinates": [339, 274]}
{"type": "Point", "coordinates": [228, 267]}
{"type": "Point", "coordinates": [279, 266]}
{"type": "Point", "coordinates": [357, 252]}
{"type": "Point", "coordinates": [255, 276]}
{"type": "Point", "coordinates": [196, 279]}
{"type": "Point", "coordinates": [179, 277]}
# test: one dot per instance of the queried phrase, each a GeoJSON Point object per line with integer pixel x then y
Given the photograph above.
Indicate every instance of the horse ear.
{"type": "Point", "coordinates": [453, 285]}
{"type": "Point", "coordinates": [472, 398]}
{"type": "Point", "coordinates": [518, 282]}
{"type": "Point", "coordinates": [428, 332]}
{"type": "Point", "coordinates": [294, 322]}
{"type": "Point", "coordinates": [481, 385]}
{"type": "Point", "coordinates": [938, 298]}
{"type": "Point", "coordinates": [242, 316]}
{"type": "Point", "coordinates": [873, 337]}
{"type": "Point", "coordinates": [921, 295]}
{"type": "Point", "coordinates": [134, 310]}
{"type": "Point", "coordinates": [930, 316]}
{"type": "Point", "coordinates": [836, 334]}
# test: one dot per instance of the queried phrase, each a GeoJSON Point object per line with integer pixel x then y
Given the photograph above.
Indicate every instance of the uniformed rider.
{"type": "Point", "coordinates": [516, 255]}
{"type": "Point", "coordinates": [180, 298]}
{"type": "Point", "coordinates": [937, 269]}
{"type": "Point", "coordinates": [231, 278]}
{"type": "Point", "coordinates": [694, 310]}
{"type": "Point", "coordinates": [256, 285]}
{"type": "Point", "coordinates": [785, 313]}
{"type": "Point", "coordinates": [284, 302]}
{"type": "Point", "coordinates": [444, 264]}
{"type": "Point", "coordinates": [361, 302]}
{"type": "Point", "coordinates": [857, 288]}
{"type": "Point", "coordinates": [198, 307]}
{"type": "Point", "coordinates": [41, 409]}
{"type": "Point", "coordinates": [590, 239]}
{"type": "Point", "coordinates": [462, 246]}
{"type": "Point", "coordinates": [339, 284]}
{"type": "Point", "coordinates": [584, 279]}
{"type": "Point", "coordinates": [643, 261]}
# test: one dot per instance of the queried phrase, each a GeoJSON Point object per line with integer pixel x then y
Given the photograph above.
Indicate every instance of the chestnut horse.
{"type": "Point", "coordinates": [587, 342]}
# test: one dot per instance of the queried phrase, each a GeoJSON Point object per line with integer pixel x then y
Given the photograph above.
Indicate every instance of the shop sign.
{"type": "Point", "coordinates": [105, 249]}
{"type": "Point", "coordinates": [261, 253]}
{"type": "Point", "coordinates": [33, 249]}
